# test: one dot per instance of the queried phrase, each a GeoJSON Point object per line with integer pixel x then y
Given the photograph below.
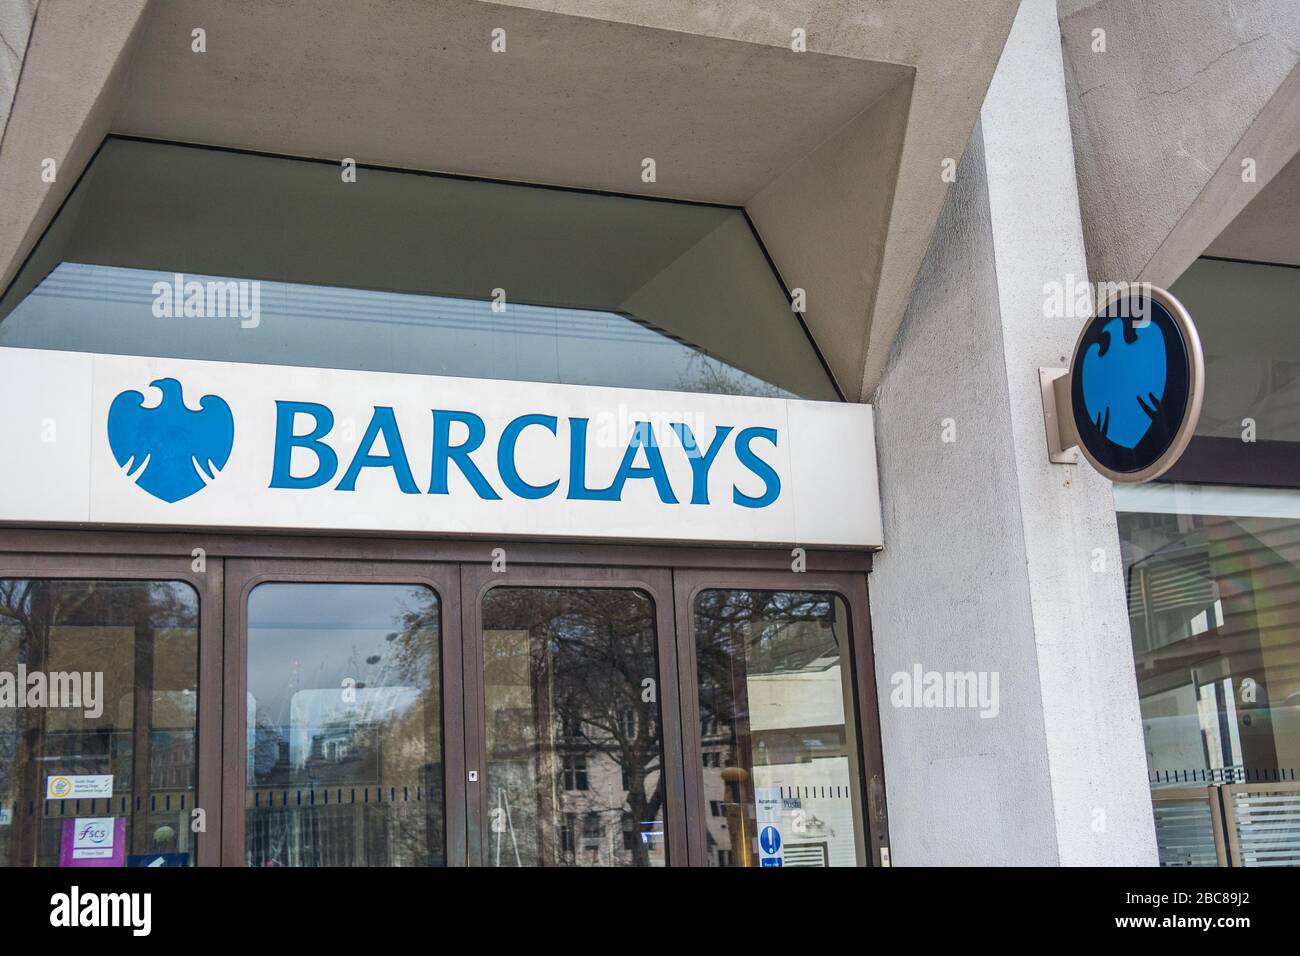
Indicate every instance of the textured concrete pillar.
{"type": "Point", "coordinates": [997, 562]}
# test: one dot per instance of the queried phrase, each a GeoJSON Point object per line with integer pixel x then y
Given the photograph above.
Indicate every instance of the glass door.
{"type": "Point", "coordinates": [110, 675]}
{"type": "Point", "coordinates": [331, 711]}
{"type": "Point", "coordinates": [573, 741]}
{"type": "Point", "coordinates": [343, 715]}
{"type": "Point", "coordinates": [775, 670]}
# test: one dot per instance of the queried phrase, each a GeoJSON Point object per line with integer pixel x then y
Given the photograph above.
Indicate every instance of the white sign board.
{"type": "Point", "coordinates": [92, 838]}
{"type": "Point", "coordinates": [78, 786]}
{"type": "Point", "coordinates": [112, 439]}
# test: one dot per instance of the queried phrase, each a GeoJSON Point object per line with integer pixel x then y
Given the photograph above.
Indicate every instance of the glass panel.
{"type": "Point", "coordinates": [98, 702]}
{"type": "Point", "coordinates": [1185, 833]}
{"type": "Point", "coordinates": [574, 751]}
{"type": "Point", "coordinates": [344, 760]}
{"type": "Point", "coordinates": [779, 752]}
{"type": "Point", "coordinates": [1213, 580]}
{"type": "Point", "coordinates": [1246, 315]}
{"type": "Point", "coordinates": [406, 272]}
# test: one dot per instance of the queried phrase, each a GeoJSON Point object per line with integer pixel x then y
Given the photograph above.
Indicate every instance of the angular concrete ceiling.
{"type": "Point", "coordinates": [837, 153]}
{"type": "Point", "coordinates": [1268, 229]}
{"type": "Point", "coordinates": [1180, 123]}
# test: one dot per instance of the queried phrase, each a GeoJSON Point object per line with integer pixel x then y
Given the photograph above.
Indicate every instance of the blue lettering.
{"type": "Point", "coordinates": [381, 422]}
{"type": "Point", "coordinates": [578, 490]}
{"type": "Point", "coordinates": [643, 437]}
{"type": "Point", "coordinates": [506, 457]}
{"type": "Point", "coordinates": [444, 453]}
{"type": "Point", "coordinates": [746, 456]}
{"type": "Point", "coordinates": [327, 462]}
{"type": "Point", "coordinates": [701, 462]}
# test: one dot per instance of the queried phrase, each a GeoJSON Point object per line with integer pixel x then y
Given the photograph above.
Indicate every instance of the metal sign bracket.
{"type": "Point", "coordinates": [1062, 439]}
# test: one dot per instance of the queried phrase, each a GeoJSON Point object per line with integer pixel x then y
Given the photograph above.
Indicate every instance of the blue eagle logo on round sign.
{"type": "Point", "coordinates": [170, 450]}
{"type": "Point", "coordinates": [1124, 376]}
{"type": "Point", "coordinates": [1136, 383]}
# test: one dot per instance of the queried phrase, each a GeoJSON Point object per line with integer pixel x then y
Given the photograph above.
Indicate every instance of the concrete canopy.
{"type": "Point", "coordinates": [1180, 122]}
{"type": "Point", "coordinates": [836, 152]}
{"type": "Point", "coordinates": [1268, 229]}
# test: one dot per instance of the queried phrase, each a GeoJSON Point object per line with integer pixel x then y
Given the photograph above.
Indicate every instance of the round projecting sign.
{"type": "Point", "coordinates": [1136, 382]}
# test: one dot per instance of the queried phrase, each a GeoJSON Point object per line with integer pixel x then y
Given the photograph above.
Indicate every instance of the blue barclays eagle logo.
{"type": "Point", "coordinates": [1124, 380]}
{"type": "Point", "coordinates": [171, 451]}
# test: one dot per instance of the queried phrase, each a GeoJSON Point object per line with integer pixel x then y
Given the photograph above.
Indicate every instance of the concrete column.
{"type": "Point", "coordinates": [996, 561]}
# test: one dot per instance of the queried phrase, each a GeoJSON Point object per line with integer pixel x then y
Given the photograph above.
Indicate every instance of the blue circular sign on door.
{"type": "Point", "coordinates": [769, 841]}
{"type": "Point", "coordinates": [1136, 382]}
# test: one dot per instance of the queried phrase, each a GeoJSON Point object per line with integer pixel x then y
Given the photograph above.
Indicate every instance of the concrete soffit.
{"type": "Point", "coordinates": [836, 152]}
{"type": "Point", "coordinates": [1179, 124]}
{"type": "Point", "coordinates": [63, 107]}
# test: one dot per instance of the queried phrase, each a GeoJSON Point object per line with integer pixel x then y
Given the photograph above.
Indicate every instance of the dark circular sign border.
{"type": "Point", "coordinates": [1176, 417]}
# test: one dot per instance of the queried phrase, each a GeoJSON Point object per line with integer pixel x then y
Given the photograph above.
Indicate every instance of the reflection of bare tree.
{"type": "Point", "coordinates": [591, 670]}
{"type": "Point", "coordinates": [141, 635]}
{"type": "Point", "coordinates": [704, 373]}
{"type": "Point", "coordinates": [739, 634]}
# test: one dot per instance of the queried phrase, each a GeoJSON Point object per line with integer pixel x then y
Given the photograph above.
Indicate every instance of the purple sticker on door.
{"type": "Point", "coordinates": [94, 841]}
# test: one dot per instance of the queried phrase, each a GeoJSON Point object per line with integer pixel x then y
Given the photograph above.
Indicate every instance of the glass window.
{"type": "Point", "coordinates": [556, 659]}
{"type": "Point", "coordinates": [184, 252]}
{"type": "Point", "coordinates": [781, 758]}
{"type": "Point", "coordinates": [1247, 316]}
{"type": "Point", "coordinates": [1213, 580]}
{"type": "Point", "coordinates": [98, 722]}
{"type": "Point", "coordinates": [344, 726]}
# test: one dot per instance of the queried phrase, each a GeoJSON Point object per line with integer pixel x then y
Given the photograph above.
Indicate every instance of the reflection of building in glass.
{"type": "Point", "coordinates": [774, 747]}
{"type": "Point", "coordinates": [574, 745]}
{"type": "Point", "coordinates": [1213, 582]}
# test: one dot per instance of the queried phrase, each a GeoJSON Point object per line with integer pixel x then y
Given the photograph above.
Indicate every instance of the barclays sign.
{"type": "Point", "coordinates": [642, 446]}
{"type": "Point", "coordinates": [171, 451]}
{"type": "Point", "coordinates": [182, 443]}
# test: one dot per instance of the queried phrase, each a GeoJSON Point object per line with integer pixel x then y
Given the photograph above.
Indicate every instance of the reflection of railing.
{"type": "Point", "coordinates": [268, 797]}
{"type": "Point", "coordinates": [160, 801]}
{"type": "Point", "coordinates": [1223, 775]}
{"type": "Point", "coordinates": [343, 826]}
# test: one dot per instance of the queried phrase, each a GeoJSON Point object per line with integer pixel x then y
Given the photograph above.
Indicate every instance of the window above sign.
{"type": "Point", "coordinates": [1246, 315]}
{"type": "Point", "coordinates": [188, 252]}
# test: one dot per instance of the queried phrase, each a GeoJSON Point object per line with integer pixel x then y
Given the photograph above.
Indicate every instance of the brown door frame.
{"type": "Point", "coordinates": [852, 588]}
{"type": "Point", "coordinates": [476, 581]}
{"type": "Point", "coordinates": [459, 570]}
{"type": "Point", "coordinates": [242, 575]}
{"type": "Point", "coordinates": [209, 586]}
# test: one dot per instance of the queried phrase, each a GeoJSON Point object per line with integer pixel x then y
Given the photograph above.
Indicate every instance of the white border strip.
{"type": "Point", "coordinates": [1208, 500]}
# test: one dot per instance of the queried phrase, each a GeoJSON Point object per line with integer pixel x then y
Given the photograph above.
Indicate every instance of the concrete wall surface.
{"type": "Point", "coordinates": [996, 561]}
{"type": "Point", "coordinates": [1168, 99]}
{"type": "Point", "coordinates": [16, 18]}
